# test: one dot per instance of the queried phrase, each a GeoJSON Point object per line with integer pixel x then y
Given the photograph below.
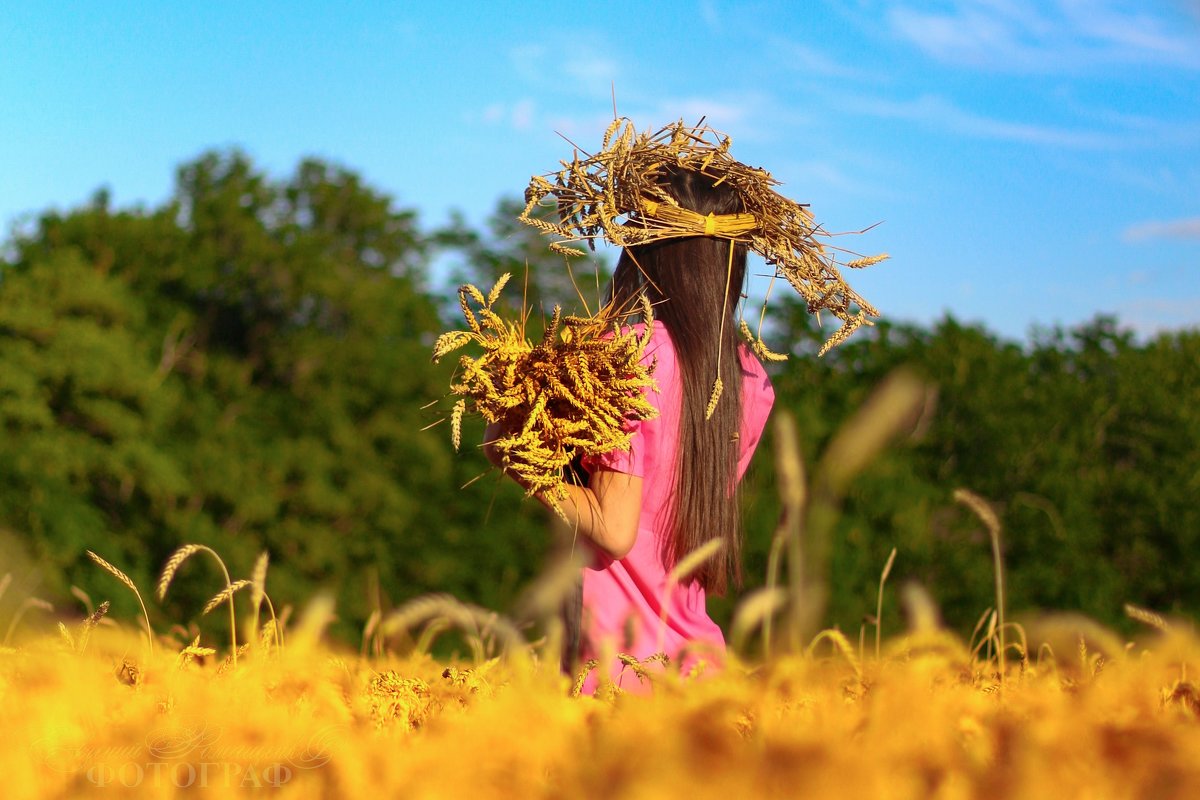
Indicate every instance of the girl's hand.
{"type": "Point", "coordinates": [494, 432]}
{"type": "Point", "coordinates": [607, 511]}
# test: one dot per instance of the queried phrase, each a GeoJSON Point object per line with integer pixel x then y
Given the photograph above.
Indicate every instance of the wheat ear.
{"type": "Point", "coordinates": [258, 593]}
{"type": "Point", "coordinates": [223, 595]}
{"type": "Point", "coordinates": [123, 578]}
{"type": "Point", "coordinates": [990, 521]}
{"type": "Point", "coordinates": [1147, 617]}
{"type": "Point", "coordinates": [66, 636]}
{"type": "Point", "coordinates": [172, 566]}
{"type": "Point", "coordinates": [193, 650]}
{"type": "Point", "coordinates": [887, 570]}
{"type": "Point", "coordinates": [717, 385]}
{"type": "Point", "coordinates": [85, 630]}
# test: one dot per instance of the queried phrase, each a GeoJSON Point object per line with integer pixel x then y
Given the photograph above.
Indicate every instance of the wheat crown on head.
{"type": "Point", "coordinates": [600, 195]}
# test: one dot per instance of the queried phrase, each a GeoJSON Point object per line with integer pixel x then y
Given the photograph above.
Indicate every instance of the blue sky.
{"type": "Point", "coordinates": [1031, 163]}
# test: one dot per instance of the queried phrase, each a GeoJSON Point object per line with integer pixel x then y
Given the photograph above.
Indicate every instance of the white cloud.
{"type": "Point", "coordinates": [1065, 36]}
{"type": "Point", "coordinates": [1108, 131]}
{"type": "Point", "coordinates": [972, 33]}
{"type": "Point", "coordinates": [522, 115]}
{"type": "Point", "coordinates": [528, 62]}
{"type": "Point", "coordinates": [519, 116]}
{"type": "Point", "coordinates": [938, 113]}
{"type": "Point", "coordinates": [1188, 229]}
{"type": "Point", "coordinates": [811, 61]}
{"type": "Point", "coordinates": [580, 70]}
{"type": "Point", "coordinates": [1132, 35]}
{"type": "Point", "coordinates": [818, 177]}
{"type": "Point", "coordinates": [1154, 315]}
{"type": "Point", "coordinates": [591, 74]}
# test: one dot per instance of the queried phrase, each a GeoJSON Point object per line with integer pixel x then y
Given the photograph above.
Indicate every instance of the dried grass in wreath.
{"type": "Point", "coordinates": [618, 194]}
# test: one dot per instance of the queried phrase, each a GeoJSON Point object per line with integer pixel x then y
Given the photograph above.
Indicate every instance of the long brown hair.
{"type": "Point", "coordinates": [686, 280]}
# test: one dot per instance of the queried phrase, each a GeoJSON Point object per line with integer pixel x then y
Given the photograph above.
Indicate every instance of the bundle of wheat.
{"type": "Point", "coordinates": [571, 394]}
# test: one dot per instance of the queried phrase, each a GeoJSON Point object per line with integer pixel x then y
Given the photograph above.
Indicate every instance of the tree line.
{"type": "Point", "coordinates": [247, 366]}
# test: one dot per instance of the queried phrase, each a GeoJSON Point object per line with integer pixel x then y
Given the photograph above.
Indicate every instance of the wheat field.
{"type": "Point", "coordinates": [1053, 707]}
{"type": "Point", "coordinates": [925, 719]}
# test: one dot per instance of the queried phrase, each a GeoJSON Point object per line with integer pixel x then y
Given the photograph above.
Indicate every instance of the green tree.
{"type": "Point", "coordinates": [541, 279]}
{"type": "Point", "coordinates": [245, 367]}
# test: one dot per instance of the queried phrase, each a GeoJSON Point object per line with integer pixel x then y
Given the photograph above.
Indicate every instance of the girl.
{"type": "Point", "coordinates": [643, 510]}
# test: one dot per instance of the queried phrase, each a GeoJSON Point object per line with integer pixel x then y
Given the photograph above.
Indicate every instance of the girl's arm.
{"type": "Point", "coordinates": [606, 511]}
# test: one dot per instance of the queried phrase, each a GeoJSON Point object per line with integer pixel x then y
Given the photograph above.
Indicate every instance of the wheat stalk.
{"type": "Point", "coordinates": [93, 619]}
{"type": "Point", "coordinates": [223, 595]}
{"type": "Point", "coordinates": [686, 566]}
{"type": "Point", "coordinates": [267, 634]}
{"type": "Point", "coordinates": [841, 644]}
{"type": "Point", "coordinates": [172, 566]}
{"type": "Point", "coordinates": [66, 636]}
{"type": "Point", "coordinates": [258, 593]}
{"type": "Point", "coordinates": [985, 513]}
{"type": "Point", "coordinates": [713, 397]}
{"type": "Point", "coordinates": [757, 345]}
{"type": "Point", "coordinates": [638, 666]}
{"type": "Point", "coordinates": [754, 611]}
{"type": "Point", "coordinates": [793, 494]}
{"type": "Point", "coordinates": [231, 660]}
{"type": "Point", "coordinates": [581, 678]}
{"type": "Point", "coordinates": [465, 616]}
{"type": "Point", "coordinates": [456, 416]}
{"type": "Point", "coordinates": [369, 629]}
{"type": "Point", "coordinates": [26, 604]}
{"type": "Point", "coordinates": [887, 569]}
{"type": "Point", "coordinates": [859, 263]}
{"type": "Point", "coordinates": [983, 618]}
{"type": "Point", "coordinates": [1147, 617]}
{"type": "Point", "coordinates": [193, 650]}
{"type": "Point", "coordinates": [83, 597]}
{"type": "Point", "coordinates": [123, 578]}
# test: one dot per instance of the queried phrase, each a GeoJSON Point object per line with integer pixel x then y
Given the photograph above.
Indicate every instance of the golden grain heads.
{"type": "Point", "coordinates": [572, 394]}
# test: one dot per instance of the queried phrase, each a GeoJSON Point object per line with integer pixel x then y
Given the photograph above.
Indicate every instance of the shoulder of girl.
{"type": "Point", "coordinates": [754, 370]}
{"type": "Point", "coordinates": [751, 365]}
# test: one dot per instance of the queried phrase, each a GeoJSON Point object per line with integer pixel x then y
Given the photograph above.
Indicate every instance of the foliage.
{"type": "Point", "coordinates": [247, 366]}
{"type": "Point", "coordinates": [1084, 440]}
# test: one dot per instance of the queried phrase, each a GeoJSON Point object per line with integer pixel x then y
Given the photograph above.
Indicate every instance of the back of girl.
{"type": "Point", "coordinates": [689, 462]}
{"type": "Point", "coordinates": [685, 213]}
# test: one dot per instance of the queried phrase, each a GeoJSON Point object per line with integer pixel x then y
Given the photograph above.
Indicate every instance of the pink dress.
{"type": "Point", "coordinates": [623, 599]}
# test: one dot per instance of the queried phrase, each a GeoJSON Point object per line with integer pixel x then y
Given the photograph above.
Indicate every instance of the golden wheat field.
{"type": "Point", "coordinates": [926, 718]}
{"type": "Point", "coordinates": [1054, 707]}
